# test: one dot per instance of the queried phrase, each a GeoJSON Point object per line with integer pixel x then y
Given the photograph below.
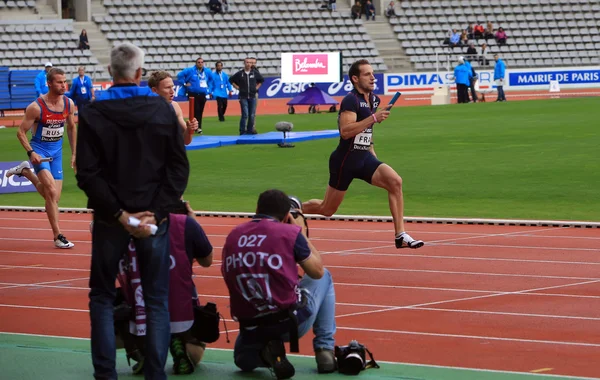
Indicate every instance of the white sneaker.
{"type": "Point", "coordinates": [406, 241]}
{"type": "Point", "coordinates": [18, 170]}
{"type": "Point", "coordinates": [62, 242]}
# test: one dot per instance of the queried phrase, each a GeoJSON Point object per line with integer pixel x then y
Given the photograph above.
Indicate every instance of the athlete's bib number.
{"type": "Point", "coordinates": [52, 134]}
{"type": "Point", "coordinates": [362, 141]}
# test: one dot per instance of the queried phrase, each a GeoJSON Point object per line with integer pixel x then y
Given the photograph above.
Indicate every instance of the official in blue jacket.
{"type": "Point", "coordinates": [499, 71]}
{"type": "Point", "coordinates": [82, 89]}
{"type": "Point", "coordinates": [222, 89]}
{"type": "Point", "coordinates": [462, 76]}
{"type": "Point", "coordinates": [41, 85]}
{"type": "Point", "coordinates": [197, 81]}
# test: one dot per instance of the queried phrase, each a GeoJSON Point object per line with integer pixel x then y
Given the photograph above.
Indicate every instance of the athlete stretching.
{"type": "Point", "coordinates": [355, 156]}
{"type": "Point", "coordinates": [162, 84]}
{"type": "Point", "coordinates": [46, 117]}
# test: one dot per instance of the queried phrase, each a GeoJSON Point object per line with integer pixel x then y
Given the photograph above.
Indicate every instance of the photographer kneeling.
{"type": "Point", "coordinates": [187, 241]}
{"type": "Point", "coordinates": [272, 304]}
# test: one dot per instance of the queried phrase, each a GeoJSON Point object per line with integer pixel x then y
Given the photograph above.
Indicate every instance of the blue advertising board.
{"type": "Point", "coordinates": [13, 184]}
{"type": "Point", "coordinates": [543, 77]}
{"type": "Point", "coordinates": [274, 88]}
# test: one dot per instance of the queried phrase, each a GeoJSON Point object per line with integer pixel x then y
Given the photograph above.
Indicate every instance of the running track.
{"type": "Point", "coordinates": [508, 298]}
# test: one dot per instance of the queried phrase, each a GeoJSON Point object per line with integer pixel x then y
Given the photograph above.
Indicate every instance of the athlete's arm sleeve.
{"type": "Point", "coordinates": [197, 244]}
{"type": "Point", "coordinates": [349, 103]}
{"type": "Point", "coordinates": [301, 249]}
{"type": "Point", "coordinates": [89, 173]}
{"type": "Point", "coordinates": [177, 172]}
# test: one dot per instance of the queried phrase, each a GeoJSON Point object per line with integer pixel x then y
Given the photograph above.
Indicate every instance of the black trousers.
{"type": "Point", "coordinates": [221, 107]}
{"type": "Point", "coordinates": [462, 93]}
{"type": "Point", "coordinates": [199, 103]}
{"type": "Point", "coordinates": [473, 94]}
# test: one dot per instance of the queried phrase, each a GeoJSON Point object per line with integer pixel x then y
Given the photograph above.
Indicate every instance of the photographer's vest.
{"type": "Point", "coordinates": [260, 269]}
{"type": "Point", "coordinates": [181, 285]}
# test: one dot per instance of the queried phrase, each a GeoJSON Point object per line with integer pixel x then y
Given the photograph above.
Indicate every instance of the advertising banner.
{"type": "Point", "coordinates": [426, 82]}
{"type": "Point", "coordinates": [14, 184]}
{"type": "Point", "coordinates": [574, 76]}
{"type": "Point", "coordinates": [518, 79]}
{"type": "Point", "coordinates": [275, 88]}
{"type": "Point", "coordinates": [311, 67]}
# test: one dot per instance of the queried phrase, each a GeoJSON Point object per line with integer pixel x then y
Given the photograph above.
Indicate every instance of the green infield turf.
{"type": "Point", "coordinates": [528, 160]}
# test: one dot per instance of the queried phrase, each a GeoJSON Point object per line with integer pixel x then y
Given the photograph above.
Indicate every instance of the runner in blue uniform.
{"type": "Point", "coordinates": [47, 117]}
{"type": "Point", "coordinates": [355, 156]}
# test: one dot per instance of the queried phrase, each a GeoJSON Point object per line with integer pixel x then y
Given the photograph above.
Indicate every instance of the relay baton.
{"type": "Point", "coordinates": [46, 159]}
{"type": "Point", "coordinates": [135, 222]}
{"type": "Point", "coordinates": [191, 113]}
{"type": "Point", "coordinates": [396, 96]}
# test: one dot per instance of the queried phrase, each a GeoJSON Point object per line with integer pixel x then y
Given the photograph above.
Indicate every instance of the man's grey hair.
{"type": "Point", "coordinates": [125, 59]}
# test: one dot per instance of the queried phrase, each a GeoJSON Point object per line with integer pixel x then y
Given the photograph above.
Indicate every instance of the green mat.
{"type": "Point", "coordinates": [28, 357]}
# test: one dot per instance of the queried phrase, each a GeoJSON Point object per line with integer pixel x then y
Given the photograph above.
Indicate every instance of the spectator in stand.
{"type": "Point", "coordinates": [489, 31]}
{"type": "Point", "coordinates": [501, 36]}
{"type": "Point", "coordinates": [464, 38]}
{"type": "Point", "coordinates": [215, 6]}
{"type": "Point", "coordinates": [484, 51]}
{"type": "Point", "coordinates": [470, 31]}
{"type": "Point", "coordinates": [83, 40]}
{"type": "Point", "coordinates": [471, 52]}
{"type": "Point", "coordinates": [370, 10]}
{"type": "Point", "coordinates": [454, 38]}
{"type": "Point", "coordinates": [389, 12]}
{"type": "Point", "coordinates": [332, 5]}
{"type": "Point", "coordinates": [225, 6]}
{"type": "Point", "coordinates": [355, 11]}
{"type": "Point", "coordinates": [478, 31]}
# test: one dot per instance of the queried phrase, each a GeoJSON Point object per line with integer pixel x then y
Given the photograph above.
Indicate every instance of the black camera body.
{"type": "Point", "coordinates": [351, 358]}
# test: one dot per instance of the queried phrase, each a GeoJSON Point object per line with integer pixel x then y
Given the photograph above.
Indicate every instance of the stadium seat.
{"type": "Point", "coordinates": [536, 29]}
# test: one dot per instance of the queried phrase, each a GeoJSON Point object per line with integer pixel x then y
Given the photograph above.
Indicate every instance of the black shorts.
{"type": "Point", "coordinates": [345, 166]}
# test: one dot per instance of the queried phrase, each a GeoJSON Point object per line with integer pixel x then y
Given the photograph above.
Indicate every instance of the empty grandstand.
{"type": "Point", "coordinates": [541, 33]}
{"type": "Point", "coordinates": [173, 33]}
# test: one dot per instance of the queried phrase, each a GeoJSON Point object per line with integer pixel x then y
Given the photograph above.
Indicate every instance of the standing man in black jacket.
{"type": "Point", "coordinates": [132, 163]}
{"type": "Point", "coordinates": [247, 81]}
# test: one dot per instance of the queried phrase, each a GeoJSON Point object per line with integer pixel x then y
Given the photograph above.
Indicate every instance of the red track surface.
{"type": "Point", "coordinates": [502, 298]}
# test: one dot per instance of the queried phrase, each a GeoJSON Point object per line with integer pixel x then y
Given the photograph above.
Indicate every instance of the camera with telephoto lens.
{"type": "Point", "coordinates": [351, 358]}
